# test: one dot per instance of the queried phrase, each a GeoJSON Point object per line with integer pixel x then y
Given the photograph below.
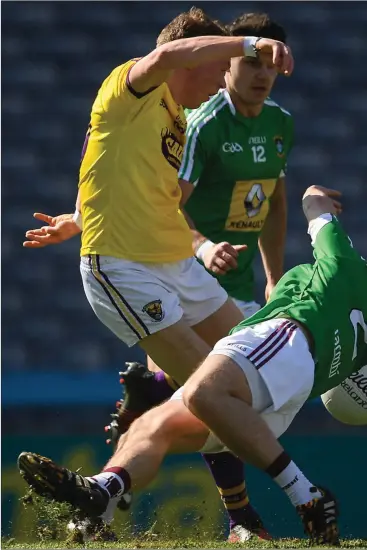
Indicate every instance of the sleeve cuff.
{"type": "Point", "coordinates": [318, 223]}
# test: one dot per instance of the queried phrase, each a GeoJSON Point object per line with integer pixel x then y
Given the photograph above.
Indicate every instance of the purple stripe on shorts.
{"type": "Point", "coordinates": [268, 340]}
{"type": "Point", "coordinates": [276, 346]}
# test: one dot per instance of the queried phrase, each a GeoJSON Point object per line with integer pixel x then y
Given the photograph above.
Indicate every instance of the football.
{"type": "Point", "coordinates": [348, 401]}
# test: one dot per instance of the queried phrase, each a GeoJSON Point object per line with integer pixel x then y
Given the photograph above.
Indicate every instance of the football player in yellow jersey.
{"type": "Point", "coordinates": [137, 263]}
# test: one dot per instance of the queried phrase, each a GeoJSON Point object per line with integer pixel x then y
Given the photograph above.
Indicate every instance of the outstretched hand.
{"type": "Point", "coordinates": [59, 229]}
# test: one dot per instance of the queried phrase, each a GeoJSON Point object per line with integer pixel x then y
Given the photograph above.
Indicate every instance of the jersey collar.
{"type": "Point", "coordinates": [225, 93]}
{"type": "Point", "coordinates": [245, 120]}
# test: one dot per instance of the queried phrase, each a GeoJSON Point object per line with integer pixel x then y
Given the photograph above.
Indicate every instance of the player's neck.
{"type": "Point", "coordinates": [245, 109]}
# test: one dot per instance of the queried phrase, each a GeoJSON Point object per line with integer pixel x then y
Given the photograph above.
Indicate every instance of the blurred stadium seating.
{"type": "Point", "coordinates": [55, 55]}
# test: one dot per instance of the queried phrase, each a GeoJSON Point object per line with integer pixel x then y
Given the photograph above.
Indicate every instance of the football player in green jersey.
{"type": "Point", "coordinates": [233, 172]}
{"type": "Point", "coordinates": [232, 178]}
{"type": "Point", "coordinates": [311, 334]}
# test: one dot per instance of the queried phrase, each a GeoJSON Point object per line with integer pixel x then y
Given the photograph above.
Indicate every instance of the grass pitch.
{"type": "Point", "coordinates": [50, 531]}
{"type": "Point", "coordinates": [150, 541]}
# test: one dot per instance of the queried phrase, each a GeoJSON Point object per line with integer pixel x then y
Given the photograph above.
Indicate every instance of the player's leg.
{"type": "Point", "coordinates": [248, 405]}
{"type": "Point", "coordinates": [140, 304]}
{"type": "Point", "coordinates": [227, 470]}
{"type": "Point", "coordinates": [166, 384]}
{"type": "Point", "coordinates": [208, 315]}
{"type": "Point", "coordinates": [121, 292]}
{"type": "Point", "coordinates": [176, 348]}
{"type": "Point", "coordinates": [168, 428]}
{"type": "Point", "coordinates": [212, 315]}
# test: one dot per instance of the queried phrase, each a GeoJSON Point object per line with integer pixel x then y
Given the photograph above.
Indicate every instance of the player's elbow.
{"type": "Point", "coordinates": [163, 57]}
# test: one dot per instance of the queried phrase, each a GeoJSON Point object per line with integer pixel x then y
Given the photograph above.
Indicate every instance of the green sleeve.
{"type": "Point", "coordinates": [288, 141]}
{"type": "Point", "coordinates": [195, 153]}
{"type": "Point", "coordinates": [331, 240]}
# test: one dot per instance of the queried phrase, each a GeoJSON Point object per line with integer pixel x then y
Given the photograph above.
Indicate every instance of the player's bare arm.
{"type": "Point", "coordinates": [156, 67]}
{"type": "Point", "coordinates": [319, 200]}
{"type": "Point", "coordinates": [272, 237]}
{"type": "Point", "coordinates": [217, 257]}
{"type": "Point", "coordinates": [58, 229]}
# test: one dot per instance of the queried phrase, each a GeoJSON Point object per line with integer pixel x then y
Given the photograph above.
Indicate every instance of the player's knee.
{"type": "Point", "coordinates": [200, 395]}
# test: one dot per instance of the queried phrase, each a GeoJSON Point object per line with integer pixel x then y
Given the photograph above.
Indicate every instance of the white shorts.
{"type": "Point", "coordinates": [135, 300]}
{"type": "Point", "coordinates": [247, 308]}
{"type": "Point", "coordinates": [276, 360]}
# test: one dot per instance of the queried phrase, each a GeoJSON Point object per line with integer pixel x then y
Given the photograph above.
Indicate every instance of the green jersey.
{"type": "Point", "coordinates": [234, 163]}
{"type": "Point", "coordinates": [330, 299]}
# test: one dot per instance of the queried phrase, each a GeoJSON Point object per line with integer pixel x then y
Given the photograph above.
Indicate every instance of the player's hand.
{"type": "Point", "coordinates": [282, 54]}
{"type": "Point", "coordinates": [222, 257]}
{"type": "Point", "coordinates": [332, 194]}
{"type": "Point", "coordinates": [59, 229]}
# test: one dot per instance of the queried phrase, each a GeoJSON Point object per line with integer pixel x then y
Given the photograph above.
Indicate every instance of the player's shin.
{"type": "Point", "coordinates": [228, 473]}
{"type": "Point", "coordinates": [165, 429]}
{"type": "Point", "coordinates": [165, 386]}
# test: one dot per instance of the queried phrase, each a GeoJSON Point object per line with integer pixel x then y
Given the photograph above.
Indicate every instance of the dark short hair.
{"type": "Point", "coordinates": [257, 24]}
{"type": "Point", "coordinates": [189, 24]}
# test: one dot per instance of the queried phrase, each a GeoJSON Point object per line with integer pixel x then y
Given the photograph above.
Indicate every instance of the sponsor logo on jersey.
{"type": "Point", "coordinates": [154, 310]}
{"type": "Point", "coordinates": [232, 147]}
{"type": "Point", "coordinates": [335, 364]}
{"type": "Point", "coordinates": [171, 148]}
{"type": "Point", "coordinates": [257, 140]}
{"type": "Point", "coordinates": [179, 124]}
{"type": "Point", "coordinates": [279, 145]}
{"type": "Point", "coordinates": [242, 224]}
{"type": "Point", "coordinates": [163, 104]}
{"type": "Point", "coordinates": [254, 200]}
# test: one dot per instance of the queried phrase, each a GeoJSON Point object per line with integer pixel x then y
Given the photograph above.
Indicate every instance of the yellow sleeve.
{"type": "Point", "coordinates": [116, 90]}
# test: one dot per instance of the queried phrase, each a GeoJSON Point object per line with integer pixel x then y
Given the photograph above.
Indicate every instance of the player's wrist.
{"type": "Point", "coordinates": [78, 220]}
{"type": "Point", "coordinates": [318, 223]}
{"type": "Point", "coordinates": [202, 248]}
{"type": "Point", "coordinates": [249, 46]}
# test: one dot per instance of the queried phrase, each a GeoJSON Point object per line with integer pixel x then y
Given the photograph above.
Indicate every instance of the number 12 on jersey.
{"type": "Point", "coordinates": [258, 153]}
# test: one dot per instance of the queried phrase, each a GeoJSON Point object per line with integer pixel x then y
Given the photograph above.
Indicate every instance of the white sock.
{"type": "Point", "coordinates": [296, 485]}
{"type": "Point", "coordinates": [113, 484]}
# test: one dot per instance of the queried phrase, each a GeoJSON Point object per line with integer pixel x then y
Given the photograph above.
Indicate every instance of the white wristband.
{"type": "Point", "coordinates": [203, 248]}
{"type": "Point", "coordinates": [318, 223]}
{"type": "Point", "coordinates": [77, 218]}
{"type": "Point", "coordinates": [249, 46]}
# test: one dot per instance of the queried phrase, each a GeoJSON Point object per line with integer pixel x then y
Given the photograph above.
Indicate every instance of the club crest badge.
{"type": "Point", "coordinates": [278, 140]}
{"type": "Point", "coordinates": [154, 310]}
